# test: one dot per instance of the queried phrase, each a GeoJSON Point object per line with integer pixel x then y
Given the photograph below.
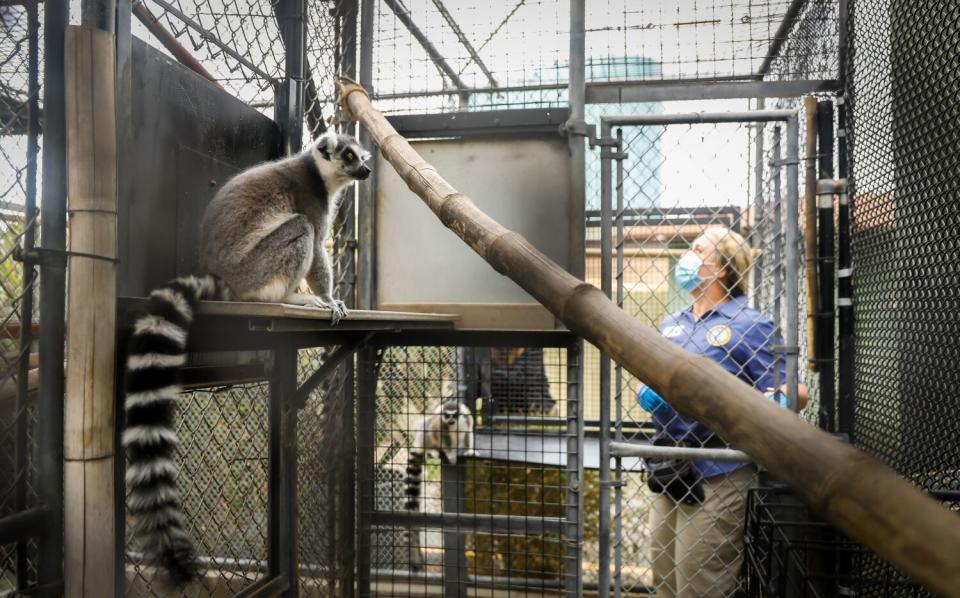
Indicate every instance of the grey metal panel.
{"type": "Point", "coordinates": [187, 136]}
{"type": "Point", "coordinates": [522, 183]}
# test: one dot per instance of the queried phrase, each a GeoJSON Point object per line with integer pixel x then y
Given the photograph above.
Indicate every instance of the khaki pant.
{"type": "Point", "coordinates": [696, 550]}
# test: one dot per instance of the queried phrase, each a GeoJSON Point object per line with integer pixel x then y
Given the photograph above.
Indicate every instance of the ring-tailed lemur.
{"type": "Point", "coordinates": [442, 433]}
{"type": "Point", "coordinates": [261, 235]}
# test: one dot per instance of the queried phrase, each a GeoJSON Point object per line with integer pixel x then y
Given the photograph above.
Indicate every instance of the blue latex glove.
{"type": "Point", "coordinates": [650, 400]}
{"type": "Point", "coordinates": [779, 397]}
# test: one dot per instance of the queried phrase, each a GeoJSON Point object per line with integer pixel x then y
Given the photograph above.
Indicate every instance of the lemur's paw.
{"type": "Point", "coordinates": [339, 309]}
{"type": "Point", "coordinates": [470, 453]}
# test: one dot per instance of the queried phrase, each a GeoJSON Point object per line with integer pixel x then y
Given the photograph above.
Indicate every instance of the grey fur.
{"type": "Point", "coordinates": [264, 231]}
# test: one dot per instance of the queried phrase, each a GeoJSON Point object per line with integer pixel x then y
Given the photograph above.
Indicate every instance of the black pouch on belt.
{"type": "Point", "coordinates": [677, 478]}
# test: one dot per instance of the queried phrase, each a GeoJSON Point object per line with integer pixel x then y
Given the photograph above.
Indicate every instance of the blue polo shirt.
{"type": "Point", "coordinates": [741, 340]}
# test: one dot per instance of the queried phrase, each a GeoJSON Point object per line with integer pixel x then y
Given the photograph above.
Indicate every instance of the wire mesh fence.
{"type": "Point", "coordinates": [436, 57]}
{"type": "Point", "coordinates": [793, 553]}
{"type": "Point", "coordinates": [21, 69]}
{"type": "Point", "coordinates": [710, 193]}
{"type": "Point", "coordinates": [242, 46]}
{"type": "Point", "coordinates": [905, 247]}
{"type": "Point", "coordinates": [470, 486]}
{"type": "Point", "coordinates": [223, 460]}
{"type": "Point", "coordinates": [712, 40]}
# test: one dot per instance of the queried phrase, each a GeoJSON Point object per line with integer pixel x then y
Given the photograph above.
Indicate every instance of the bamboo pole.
{"type": "Point", "coordinates": [90, 498]}
{"type": "Point", "coordinates": [810, 226]}
{"type": "Point", "coordinates": [854, 491]}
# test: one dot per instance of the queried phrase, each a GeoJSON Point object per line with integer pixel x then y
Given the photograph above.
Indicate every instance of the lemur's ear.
{"type": "Point", "coordinates": [323, 146]}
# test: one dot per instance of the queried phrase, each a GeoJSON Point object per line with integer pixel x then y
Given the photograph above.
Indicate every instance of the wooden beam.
{"type": "Point", "coordinates": [89, 536]}
{"type": "Point", "coordinates": [854, 491]}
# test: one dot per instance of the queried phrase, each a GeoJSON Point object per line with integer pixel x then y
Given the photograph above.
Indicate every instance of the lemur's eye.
{"type": "Point", "coordinates": [349, 156]}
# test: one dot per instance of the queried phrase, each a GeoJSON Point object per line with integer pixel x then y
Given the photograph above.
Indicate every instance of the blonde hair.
{"type": "Point", "coordinates": [737, 257]}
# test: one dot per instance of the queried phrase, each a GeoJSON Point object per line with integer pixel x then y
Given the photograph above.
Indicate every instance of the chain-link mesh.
{"type": "Point", "coordinates": [904, 139]}
{"type": "Point", "coordinates": [222, 459]}
{"type": "Point", "coordinates": [20, 139]}
{"type": "Point", "coordinates": [682, 186]}
{"type": "Point", "coordinates": [238, 42]}
{"type": "Point", "coordinates": [510, 465]}
{"type": "Point", "coordinates": [794, 553]}
{"type": "Point", "coordinates": [324, 456]}
{"type": "Point", "coordinates": [709, 40]}
{"type": "Point", "coordinates": [436, 57]}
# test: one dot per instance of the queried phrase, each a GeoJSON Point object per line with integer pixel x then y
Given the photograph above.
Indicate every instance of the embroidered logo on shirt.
{"type": "Point", "coordinates": [719, 336]}
{"type": "Point", "coordinates": [672, 331]}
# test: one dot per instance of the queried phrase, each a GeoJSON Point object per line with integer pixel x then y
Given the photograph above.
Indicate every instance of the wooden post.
{"type": "Point", "coordinates": [89, 501]}
{"type": "Point", "coordinates": [854, 491]}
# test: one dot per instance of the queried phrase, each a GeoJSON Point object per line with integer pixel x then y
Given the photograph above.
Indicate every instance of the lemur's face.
{"type": "Point", "coordinates": [450, 413]}
{"type": "Point", "coordinates": [344, 154]}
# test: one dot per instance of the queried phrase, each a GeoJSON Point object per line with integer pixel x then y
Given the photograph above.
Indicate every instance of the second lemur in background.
{"type": "Point", "coordinates": [442, 433]}
{"type": "Point", "coordinates": [261, 235]}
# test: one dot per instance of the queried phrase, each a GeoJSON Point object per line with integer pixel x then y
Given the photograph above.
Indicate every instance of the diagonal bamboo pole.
{"type": "Point", "coordinates": [854, 491]}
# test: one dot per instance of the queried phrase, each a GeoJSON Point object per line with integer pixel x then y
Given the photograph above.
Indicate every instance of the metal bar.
{"type": "Point", "coordinates": [268, 586]}
{"type": "Point", "coordinates": [211, 38]}
{"type": "Point", "coordinates": [366, 190]}
{"type": "Point", "coordinates": [403, 15]}
{"type": "Point", "coordinates": [693, 118]}
{"type": "Point", "coordinates": [126, 183]}
{"type": "Point", "coordinates": [52, 299]}
{"type": "Point", "coordinates": [452, 480]}
{"type": "Point", "coordinates": [845, 315]}
{"type": "Point", "coordinates": [333, 361]}
{"type": "Point", "coordinates": [543, 420]}
{"type": "Point", "coordinates": [348, 12]}
{"type": "Point", "coordinates": [464, 41]}
{"type": "Point", "coordinates": [843, 33]}
{"type": "Point", "coordinates": [667, 91]}
{"type": "Point", "coordinates": [21, 449]}
{"type": "Point", "coordinates": [490, 581]}
{"type": "Point", "coordinates": [282, 491]}
{"type": "Point", "coordinates": [293, 28]}
{"type": "Point", "coordinates": [18, 527]}
{"type": "Point", "coordinates": [576, 94]}
{"type": "Point", "coordinates": [756, 236]}
{"type": "Point", "coordinates": [474, 338]}
{"type": "Point", "coordinates": [573, 533]}
{"type": "Point", "coordinates": [472, 522]}
{"type": "Point", "coordinates": [792, 258]}
{"type": "Point", "coordinates": [649, 451]}
{"type": "Point", "coordinates": [777, 242]}
{"type": "Point", "coordinates": [366, 445]}
{"type": "Point", "coordinates": [486, 122]}
{"type": "Point", "coordinates": [780, 37]}
{"type": "Point", "coordinates": [825, 259]}
{"type": "Point", "coordinates": [654, 90]}
{"type": "Point", "coordinates": [618, 394]}
{"type": "Point", "coordinates": [606, 259]}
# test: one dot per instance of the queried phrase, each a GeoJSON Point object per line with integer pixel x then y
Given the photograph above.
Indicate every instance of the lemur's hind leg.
{"type": "Point", "coordinates": [273, 269]}
{"type": "Point", "coordinates": [320, 279]}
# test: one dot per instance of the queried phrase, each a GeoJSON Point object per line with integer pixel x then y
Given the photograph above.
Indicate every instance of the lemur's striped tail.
{"type": "Point", "coordinates": [157, 351]}
{"type": "Point", "coordinates": [414, 478]}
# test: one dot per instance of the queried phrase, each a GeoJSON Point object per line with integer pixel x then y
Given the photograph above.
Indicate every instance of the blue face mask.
{"type": "Point", "coordinates": [687, 273]}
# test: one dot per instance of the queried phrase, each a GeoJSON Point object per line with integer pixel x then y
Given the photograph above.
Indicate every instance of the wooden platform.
{"type": "Point", "coordinates": [285, 310]}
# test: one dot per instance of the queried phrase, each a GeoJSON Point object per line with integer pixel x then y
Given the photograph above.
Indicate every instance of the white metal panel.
{"type": "Point", "coordinates": [523, 183]}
